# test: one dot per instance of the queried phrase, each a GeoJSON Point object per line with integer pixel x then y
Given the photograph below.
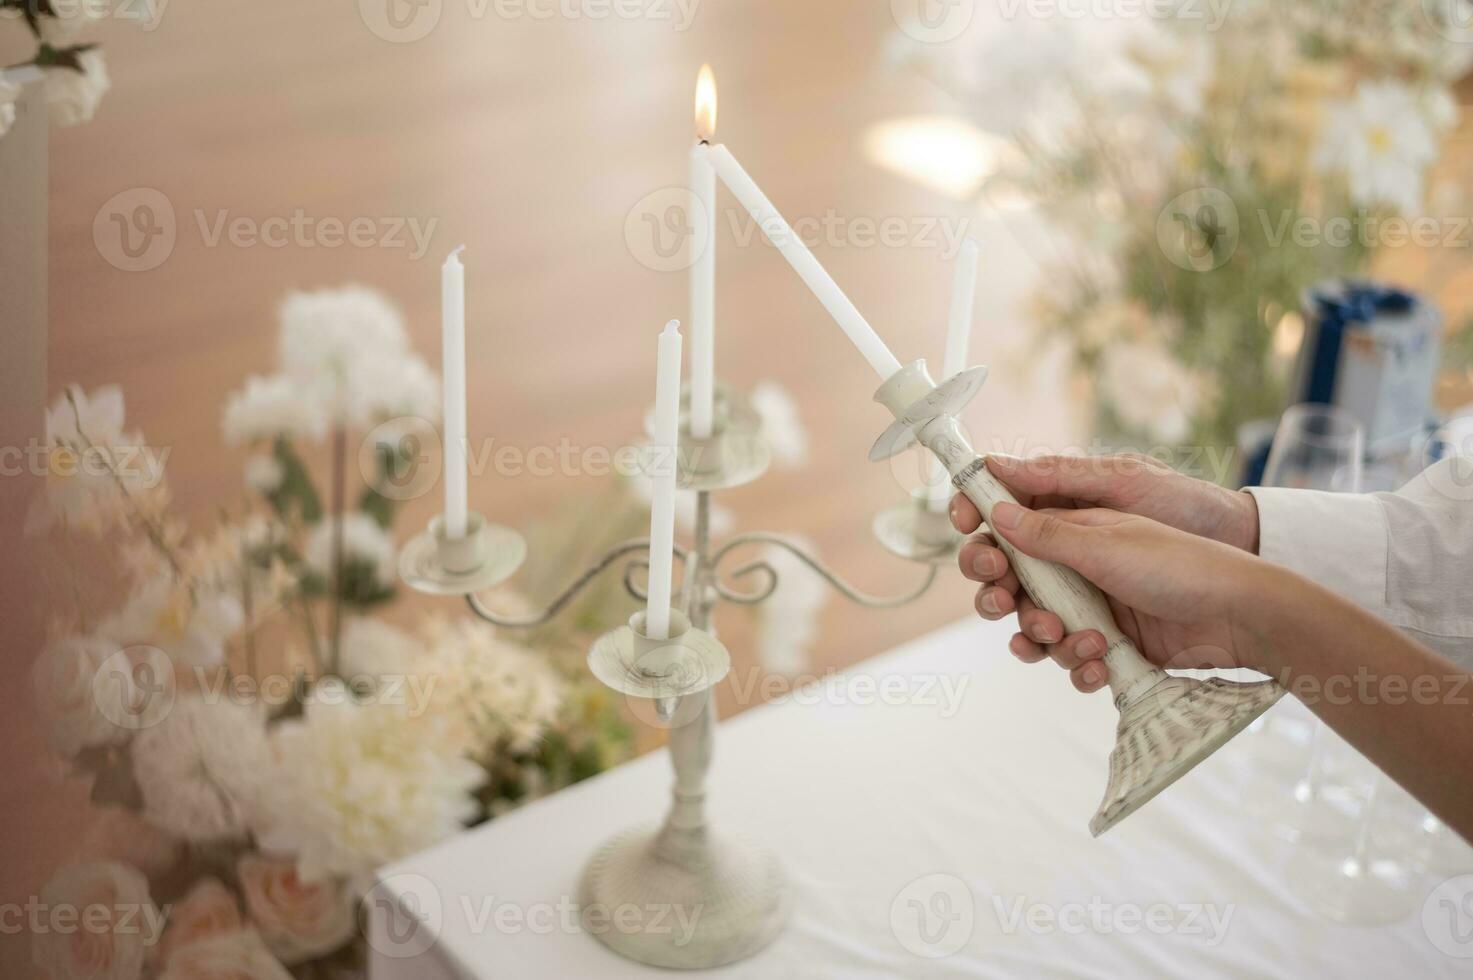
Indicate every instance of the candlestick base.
{"type": "Point", "coordinates": [436, 564]}
{"type": "Point", "coordinates": [705, 899]}
{"type": "Point", "coordinates": [913, 531]}
{"type": "Point", "coordinates": [637, 665]}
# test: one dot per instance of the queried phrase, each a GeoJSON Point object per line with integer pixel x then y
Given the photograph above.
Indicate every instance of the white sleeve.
{"type": "Point", "coordinates": [1405, 556]}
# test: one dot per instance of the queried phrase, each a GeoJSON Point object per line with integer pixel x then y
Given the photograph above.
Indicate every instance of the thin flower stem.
{"type": "Point", "coordinates": [339, 493]}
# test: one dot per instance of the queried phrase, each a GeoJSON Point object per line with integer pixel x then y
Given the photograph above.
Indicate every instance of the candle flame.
{"type": "Point", "coordinates": [706, 104]}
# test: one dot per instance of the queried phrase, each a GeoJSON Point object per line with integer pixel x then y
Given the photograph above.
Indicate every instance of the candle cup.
{"type": "Point", "coordinates": [435, 563]}
{"type": "Point", "coordinates": [636, 664]}
{"type": "Point", "coordinates": [912, 530]}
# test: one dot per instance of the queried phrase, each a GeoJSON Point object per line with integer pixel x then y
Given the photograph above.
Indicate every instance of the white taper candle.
{"type": "Point", "coordinates": [661, 467]}
{"type": "Point", "coordinates": [703, 297]}
{"type": "Point", "coordinates": [452, 351]}
{"type": "Point", "coordinates": [781, 234]}
{"type": "Point", "coordinates": [958, 343]}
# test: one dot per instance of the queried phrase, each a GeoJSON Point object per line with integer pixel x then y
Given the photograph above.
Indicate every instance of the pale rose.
{"type": "Point", "coordinates": [64, 679]}
{"type": "Point", "coordinates": [298, 921]}
{"type": "Point", "coordinates": [237, 956]}
{"type": "Point", "coordinates": [114, 925]}
{"type": "Point", "coordinates": [119, 834]}
{"type": "Point", "coordinates": [209, 911]}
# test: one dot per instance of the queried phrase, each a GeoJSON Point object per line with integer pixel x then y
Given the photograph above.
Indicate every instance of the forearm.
{"type": "Point", "coordinates": [1403, 706]}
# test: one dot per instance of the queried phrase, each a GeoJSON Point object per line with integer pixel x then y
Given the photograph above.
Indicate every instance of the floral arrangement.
{"type": "Point", "coordinates": [1205, 179]}
{"type": "Point", "coordinates": [76, 74]}
{"type": "Point", "coordinates": [257, 736]}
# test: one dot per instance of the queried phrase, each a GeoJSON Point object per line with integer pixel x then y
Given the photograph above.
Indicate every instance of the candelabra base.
{"type": "Point", "coordinates": [684, 899]}
{"type": "Point", "coordinates": [1176, 725]}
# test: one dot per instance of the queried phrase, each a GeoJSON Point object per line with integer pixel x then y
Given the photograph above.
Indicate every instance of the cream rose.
{"type": "Point", "coordinates": [298, 921]}
{"type": "Point", "coordinates": [65, 682]}
{"type": "Point", "coordinates": [102, 925]}
{"type": "Point", "coordinates": [237, 956]}
{"type": "Point", "coordinates": [209, 911]}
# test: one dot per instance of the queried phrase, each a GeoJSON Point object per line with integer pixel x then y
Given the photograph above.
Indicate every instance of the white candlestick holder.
{"type": "Point", "coordinates": [1167, 724]}
{"type": "Point", "coordinates": [732, 889]}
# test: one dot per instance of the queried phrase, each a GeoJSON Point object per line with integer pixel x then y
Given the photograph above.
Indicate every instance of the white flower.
{"type": "Point", "coordinates": [208, 911]}
{"type": "Point", "coordinates": [191, 629]}
{"type": "Point", "coordinates": [1150, 389]}
{"type": "Point", "coordinates": [273, 406]}
{"type": "Point", "coordinates": [9, 92]}
{"type": "Point", "coordinates": [1382, 141]}
{"type": "Point", "coordinates": [363, 541]}
{"type": "Point", "coordinates": [298, 920]}
{"type": "Point", "coordinates": [329, 331]}
{"type": "Point", "coordinates": [72, 18]}
{"type": "Point", "coordinates": [788, 623]}
{"type": "Point", "coordinates": [234, 956]}
{"type": "Point", "coordinates": [74, 95]}
{"type": "Point", "coordinates": [780, 424]}
{"type": "Point", "coordinates": [372, 648]}
{"type": "Point", "coordinates": [64, 681]}
{"type": "Point", "coordinates": [264, 473]}
{"type": "Point", "coordinates": [361, 785]}
{"type": "Point", "coordinates": [202, 768]}
{"type": "Point", "coordinates": [91, 455]}
{"type": "Point", "coordinates": [391, 386]}
{"type": "Point", "coordinates": [489, 689]}
{"type": "Point", "coordinates": [113, 902]}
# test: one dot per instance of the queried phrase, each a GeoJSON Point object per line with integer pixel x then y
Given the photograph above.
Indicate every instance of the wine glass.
{"type": "Point", "coordinates": [1316, 447]}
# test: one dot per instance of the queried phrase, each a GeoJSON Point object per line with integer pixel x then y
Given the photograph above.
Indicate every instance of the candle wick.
{"type": "Point", "coordinates": [455, 252]}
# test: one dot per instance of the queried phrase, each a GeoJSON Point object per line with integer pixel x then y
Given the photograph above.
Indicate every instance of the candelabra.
{"type": "Point", "coordinates": [733, 889]}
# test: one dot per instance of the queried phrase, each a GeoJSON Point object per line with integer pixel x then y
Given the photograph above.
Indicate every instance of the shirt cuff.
{"type": "Point", "coordinates": [1338, 540]}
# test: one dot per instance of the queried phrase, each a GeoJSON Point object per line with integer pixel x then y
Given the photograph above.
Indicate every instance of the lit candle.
{"type": "Point", "coordinates": [452, 352]}
{"type": "Point", "coordinates": [662, 479]}
{"type": "Point", "coordinates": [703, 269]}
{"type": "Point", "coordinates": [781, 234]}
{"type": "Point", "coordinates": [958, 340]}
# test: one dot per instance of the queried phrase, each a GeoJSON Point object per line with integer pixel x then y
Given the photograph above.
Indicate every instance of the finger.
{"type": "Point", "coordinates": [981, 560]}
{"type": "Point", "coordinates": [965, 516]}
{"type": "Point", "coordinates": [1098, 479]}
{"type": "Point", "coordinates": [1077, 649]}
{"type": "Point", "coordinates": [1090, 677]}
{"type": "Point", "coordinates": [1054, 536]}
{"type": "Point", "coordinates": [1037, 624]}
{"type": "Point", "coordinates": [994, 603]}
{"type": "Point", "coordinates": [1026, 650]}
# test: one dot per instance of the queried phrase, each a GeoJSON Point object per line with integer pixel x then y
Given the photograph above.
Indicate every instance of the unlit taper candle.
{"type": "Point", "coordinates": [781, 234]}
{"type": "Point", "coordinates": [958, 344]}
{"type": "Point", "coordinates": [661, 469]}
{"type": "Point", "coordinates": [452, 352]}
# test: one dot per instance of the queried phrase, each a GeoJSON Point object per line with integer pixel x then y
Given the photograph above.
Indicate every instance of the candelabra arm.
{"type": "Point", "coordinates": [611, 557]}
{"type": "Point", "coordinates": [827, 574]}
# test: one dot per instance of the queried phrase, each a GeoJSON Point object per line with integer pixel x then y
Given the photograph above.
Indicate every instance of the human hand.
{"type": "Point", "coordinates": [1133, 484]}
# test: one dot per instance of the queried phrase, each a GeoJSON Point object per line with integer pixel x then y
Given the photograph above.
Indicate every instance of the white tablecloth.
{"type": "Point", "coordinates": [911, 830]}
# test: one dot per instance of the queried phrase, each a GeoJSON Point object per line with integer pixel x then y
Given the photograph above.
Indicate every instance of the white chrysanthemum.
{"type": "Point", "coordinates": [372, 648]}
{"type": "Point", "coordinates": [1382, 141]}
{"type": "Point", "coordinates": [361, 785]}
{"type": "Point", "coordinates": [397, 385]}
{"type": "Point", "coordinates": [240, 955]}
{"type": "Point", "coordinates": [9, 92]}
{"type": "Point", "coordinates": [363, 541]}
{"type": "Point", "coordinates": [788, 620]}
{"type": "Point", "coordinates": [781, 426]}
{"type": "Point", "coordinates": [74, 95]}
{"type": "Point", "coordinates": [264, 472]}
{"type": "Point", "coordinates": [490, 690]}
{"type": "Point", "coordinates": [1150, 390]}
{"type": "Point", "coordinates": [201, 769]}
{"type": "Point", "coordinates": [328, 332]}
{"type": "Point", "coordinates": [113, 902]}
{"type": "Point", "coordinates": [64, 682]}
{"type": "Point", "coordinates": [273, 406]}
{"type": "Point", "coordinates": [191, 628]}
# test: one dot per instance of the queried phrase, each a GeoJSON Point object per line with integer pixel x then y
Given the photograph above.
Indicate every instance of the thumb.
{"type": "Point", "coordinates": [1043, 535]}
